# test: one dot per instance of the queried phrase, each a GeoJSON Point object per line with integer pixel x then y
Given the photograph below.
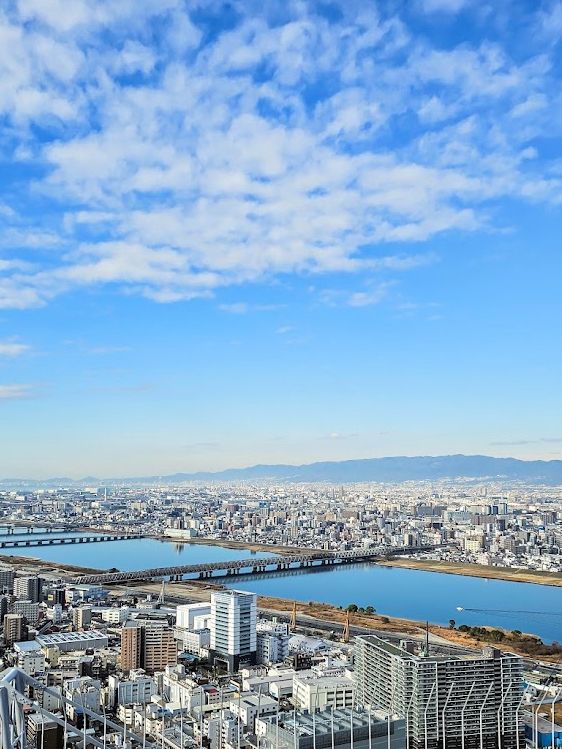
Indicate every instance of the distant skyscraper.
{"type": "Point", "coordinates": [449, 701]}
{"type": "Point", "coordinates": [233, 628]}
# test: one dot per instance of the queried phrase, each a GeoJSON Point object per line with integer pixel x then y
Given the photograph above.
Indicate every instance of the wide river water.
{"type": "Point", "coordinates": [411, 594]}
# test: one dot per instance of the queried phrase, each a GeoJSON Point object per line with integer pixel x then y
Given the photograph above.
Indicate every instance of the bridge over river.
{"type": "Point", "coordinates": [18, 543]}
{"type": "Point", "coordinates": [253, 565]}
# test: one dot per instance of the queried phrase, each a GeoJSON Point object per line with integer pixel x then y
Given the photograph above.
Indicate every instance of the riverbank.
{"type": "Point", "coordinates": [250, 546]}
{"type": "Point", "coordinates": [327, 617]}
{"type": "Point", "coordinates": [429, 565]}
{"type": "Point", "coordinates": [519, 644]}
{"type": "Point", "coordinates": [40, 566]}
{"type": "Point", "coordinates": [332, 619]}
{"type": "Point", "coordinates": [537, 577]}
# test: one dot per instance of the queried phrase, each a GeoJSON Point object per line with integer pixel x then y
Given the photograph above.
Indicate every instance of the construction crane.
{"type": "Point", "coordinates": [346, 627]}
{"type": "Point", "coordinates": [162, 595]}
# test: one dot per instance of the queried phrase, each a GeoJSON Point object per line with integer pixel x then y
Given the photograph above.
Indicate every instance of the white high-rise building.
{"type": "Point", "coordinates": [233, 628]}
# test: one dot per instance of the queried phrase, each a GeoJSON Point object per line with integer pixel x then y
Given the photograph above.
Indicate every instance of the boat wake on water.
{"type": "Point", "coordinates": [509, 611]}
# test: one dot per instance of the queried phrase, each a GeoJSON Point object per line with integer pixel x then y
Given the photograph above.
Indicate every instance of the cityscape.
{"type": "Point", "coordinates": [280, 366]}
{"type": "Point", "coordinates": [162, 638]}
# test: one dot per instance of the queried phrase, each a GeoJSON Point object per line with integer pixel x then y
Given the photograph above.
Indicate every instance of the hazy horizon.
{"type": "Point", "coordinates": [225, 468]}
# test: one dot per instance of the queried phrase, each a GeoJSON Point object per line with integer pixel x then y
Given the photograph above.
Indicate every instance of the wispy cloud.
{"type": "Point", "coordinates": [370, 297]}
{"type": "Point", "coordinates": [13, 348]}
{"type": "Point", "coordinates": [15, 392]}
{"type": "Point", "coordinates": [179, 157]}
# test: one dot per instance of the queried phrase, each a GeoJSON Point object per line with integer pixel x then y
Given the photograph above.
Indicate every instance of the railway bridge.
{"type": "Point", "coordinates": [262, 565]}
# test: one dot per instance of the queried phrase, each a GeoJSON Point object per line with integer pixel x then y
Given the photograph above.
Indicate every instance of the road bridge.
{"type": "Point", "coordinates": [254, 565]}
{"type": "Point", "coordinates": [16, 543]}
{"type": "Point", "coordinates": [27, 530]}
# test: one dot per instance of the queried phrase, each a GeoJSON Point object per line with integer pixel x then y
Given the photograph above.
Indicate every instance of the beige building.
{"type": "Point", "coordinates": [159, 646]}
{"type": "Point", "coordinates": [148, 644]}
{"type": "Point", "coordinates": [131, 646]}
{"type": "Point", "coordinates": [13, 628]}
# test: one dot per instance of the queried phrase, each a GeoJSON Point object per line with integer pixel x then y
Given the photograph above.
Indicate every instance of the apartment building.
{"type": "Point", "coordinates": [457, 702]}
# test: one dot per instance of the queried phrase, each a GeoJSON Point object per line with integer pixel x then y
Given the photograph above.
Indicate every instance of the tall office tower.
{"type": "Point", "coordinates": [28, 588]}
{"type": "Point", "coordinates": [7, 581]}
{"type": "Point", "coordinates": [448, 701]}
{"type": "Point", "coordinates": [233, 628]}
{"type": "Point", "coordinates": [147, 644]}
{"type": "Point", "coordinates": [14, 628]}
{"type": "Point", "coordinates": [131, 646]}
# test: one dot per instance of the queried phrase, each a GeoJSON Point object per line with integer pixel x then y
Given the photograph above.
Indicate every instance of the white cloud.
{"type": "Point", "coordinates": [369, 297]}
{"type": "Point", "coordinates": [236, 308]}
{"type": "Point", "coordinates": [178, 162]}
{"type": "Point", "coordinates": [13, 348]}
{"type": "Point", "coordinates": [15, 392]}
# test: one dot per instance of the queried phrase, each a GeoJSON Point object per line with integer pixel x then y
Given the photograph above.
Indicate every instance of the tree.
{"type": "Point", "coordinates": [352, 607]}
{"type": "Point", "coordinates": [452, 624]}
{"type": "Point", "coordinates": [370, 610]}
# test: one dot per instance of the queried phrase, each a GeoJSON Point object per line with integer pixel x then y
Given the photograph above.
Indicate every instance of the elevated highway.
{"type": "Point", "coordinates": [253, 565]}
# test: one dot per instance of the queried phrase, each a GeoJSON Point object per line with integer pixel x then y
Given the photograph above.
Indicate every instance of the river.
{"type": "Point", "coordinates": [411, 594]}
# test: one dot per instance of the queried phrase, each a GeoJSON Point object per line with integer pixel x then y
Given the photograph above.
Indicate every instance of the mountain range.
{"type": "Point", "coordinates": [390, 469]}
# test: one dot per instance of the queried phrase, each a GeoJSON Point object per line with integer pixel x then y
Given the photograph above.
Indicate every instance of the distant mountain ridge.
{"type": "Point", "coordinates": [390, 469]}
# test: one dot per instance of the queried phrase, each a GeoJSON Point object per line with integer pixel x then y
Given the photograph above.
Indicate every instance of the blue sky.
{"type": "Point", "coordinates": [277, 232]}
